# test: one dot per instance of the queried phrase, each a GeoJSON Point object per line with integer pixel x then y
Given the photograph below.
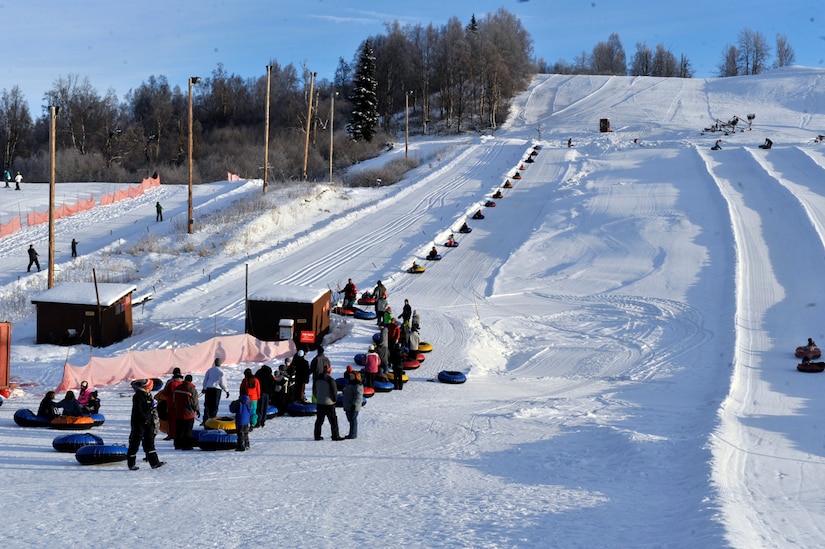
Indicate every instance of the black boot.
{"type": "Point", "coordinates": [130, 461]}
{"type": "Point", "coordinates": [154, 461]}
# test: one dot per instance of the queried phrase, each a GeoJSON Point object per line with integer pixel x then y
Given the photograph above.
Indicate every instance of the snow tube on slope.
{"type": "Point", "coordinates": [100, 454]}
{"type": "Point", "coordinates": [26, 418]}
{"type": "Point", "coordinates": [453, 245]}
{"type": "Point", "coordinates": [71, 443]}
{"type": "Point", "coordinates": [416, 270]}
{"type": "Point", "coordinates": [490, 204]}
{"type": "Point", "coordinates": [361, 314]}
{"type": "Point", "coordinates": [297, 408]}
{"type": "Point", "coordinates": [212, 441]}
{"type": "Point", "coordinates": [436, 257]}
{"type": "Point", "coordinates": [382, 386]}
{"type": "Point", "coordinates": [366, 299]}
{"type": "Point", "coordinates": [454, 378]}
{"type": "Point", "coordinates": [72, 423]}
{"type": "Point", "coordinates": [811, 367]}
{"type": "Point", "coordinates": [224, 423]}
{"type": "Point", "coordinates": [425, 347]}
{"type": "Point", "coordinates": [391, 377]}
{"type": "Point", "coordinates": [369, 392]}
{"type": "Point", "coordinates": [98, 419]}
{"type": "Point", "coordinates": [804, 351]}
{"type": "Point", "coordinates": [466, 231]}
{"type": "Point", "coordinates": [411, 364]}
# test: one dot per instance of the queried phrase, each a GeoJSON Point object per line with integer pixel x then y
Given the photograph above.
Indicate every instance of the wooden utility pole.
{"type": "Point", "coordinates": [309, 124]}
{"type": "Point", "coordinates": [52, 139]}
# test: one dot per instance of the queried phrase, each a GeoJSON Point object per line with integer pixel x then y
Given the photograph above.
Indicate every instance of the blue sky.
{"type": "Point", "coordinates": [118, 44]}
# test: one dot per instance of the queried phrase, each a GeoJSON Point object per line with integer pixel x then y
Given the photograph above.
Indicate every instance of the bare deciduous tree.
{"type": "Point", "coordinates": [785, 55]}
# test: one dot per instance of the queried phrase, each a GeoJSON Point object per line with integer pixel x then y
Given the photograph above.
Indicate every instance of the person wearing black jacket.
{"type": "Point", "coordinates": [144, 426]}
{"type": "Point", "coordinates": [302, 371]}
{"type": "Point", "coordinates": [267, 383]}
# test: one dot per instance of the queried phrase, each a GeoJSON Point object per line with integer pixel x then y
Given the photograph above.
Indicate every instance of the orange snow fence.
{"type": "Point", "coordinates": [11, 227]}
{"type": "Point", "coordinates": [198, 358]}
{"type": "Point", "coordinates": [233, 177]}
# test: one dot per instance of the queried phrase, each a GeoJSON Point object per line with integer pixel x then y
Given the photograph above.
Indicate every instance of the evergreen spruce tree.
{"type": "Point", "coordinates": [364, 97]}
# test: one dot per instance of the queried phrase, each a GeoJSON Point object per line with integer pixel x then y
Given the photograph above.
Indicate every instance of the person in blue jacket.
{"type": "Point", "coordinates": [242, 408]}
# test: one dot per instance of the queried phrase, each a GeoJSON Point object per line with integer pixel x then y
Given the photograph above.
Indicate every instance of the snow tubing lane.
{"type": "Point", "coordinates": [100, 455]}
{"type": "Point", "coordinates": [811, 367]}
{"type": "Point", "coordinates": [26, 418]}
{"type": "Point", "coordinates": [212, 441]}
{"type": "Point", "coordinates": [72, 423]}
{"type": "Point", "coordinates": [454, 378]}
{"type": "Point", "coordinates": [391, 377]}
{"type": "Point", "coordinates": [382, 386]}
{"type": "Point", "coordinates": [71, 443]}
{"type": "Point", "coordinates": [425, 347]}
{"type": "Point", "coordinates": [224, 423]}
{"type": "Point", "coordinates": [296, 408]}
{"type": "Point", "coordinates": [361, 314]}
{"type": "Point", "coordinates": [804, 352]}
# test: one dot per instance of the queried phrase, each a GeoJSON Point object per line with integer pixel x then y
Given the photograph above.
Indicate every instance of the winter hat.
{"type": "Point", "coordinates": [188, 377]}
{"type": "Point", "coordinates": [176, 373]}
{"type": "Point", "coordinates": [218, 361]}
{"type": "Point", "coordinates": [142, 384]}
{"type": "Point", "coordinates": [372, 348]}
{"type": "Point", "coordinates": [349, 369]}
{"type": "Point", "coordinates": [389, 309]}
{"type": "Point", "coordinates": [84, 384]}
{"type": "Point", "coordinates": [300, 353]}
{"type": "Point", "coordinates": [288, 361]}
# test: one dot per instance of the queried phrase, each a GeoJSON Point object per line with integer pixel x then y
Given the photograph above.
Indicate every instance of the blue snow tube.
{"type": "Point", "coordinates": [382, 386]}
{"type": "Point", "coordinates": [296, 408]}
{"type": "Point", "coordinates": [361, 314]}
{"type": "Point", "coordinates": [157, 384]}
{"type": "Point", "coordinates": [271, 412]}
{"type": "Point", "coordinates": [376, 338]}
{"type": "Point", "coordinates": [71, 443]}
{"type": "Point", "coordinates": [26, 418]}
{"type": "Point", "coordinates": [446, 376]}
{"type": "Point", "coordinates": [359, 358]}
{"type": "Point", "coordinates": [100, 454]}
{"type": "Point", "coordinates": [215, 440]}
{"type": "Point", "coordinates": [98, 419]}
{"type": "Point", "coordinates": [467, 230]}
{"type": "Point", "coordinates": [341, 382]}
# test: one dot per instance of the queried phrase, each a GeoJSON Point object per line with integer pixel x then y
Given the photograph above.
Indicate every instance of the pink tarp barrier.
{"type": "Point", "coordinates": [11, 227]}
{"type": "Point", "coordinates": [198, 358]}
{"type": "Point", "coordinates": [233, 177]}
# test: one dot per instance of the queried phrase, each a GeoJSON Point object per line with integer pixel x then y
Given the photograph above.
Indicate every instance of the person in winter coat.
{"type": "Point", "coordinates": [186, 408]}
{"type": "Point", "coordinates": [167, 395]}
{"type": "Point", "coordinates": [70, 405]}
{"type": "Point", "coordinates": [144, 426]}
{"type": "Point", "coordinates": [87, 398]}
{"type": "Point", "coordinates": [281, 397]}
{"type": "Point", "coordinates": [33, 259]}
{"type": "Point", "coordinates": [319, 364]}
{"type": "Point", "coordinates": [388, 318]}
{"type": "Point", "coordinates": [383, 353]}
{"type": "Point", "coordinates": [213, 385]}
{"type": "Point", "coordinates": [393, 332]}
{"type": "Point", "coordinates": [267, 383]}
{"type": "Point", "coordinates": [416, 320]}
{"type": "Point", "coordinates": [252, 388]}
{"type": "Point", "coordinates": [46, 408]}
{"type": "Point", "coordinates": [302, 373]}
{"type": "Point", "coordinates": [372, 362]}
{"type": "Point", "coordinates": [158, 212]}
{"type": "Point", "coordinates": [397, 362]}
{"type": "Point", "coordinates": [406, 312]}
{"type": "Point", "coordinates": [379, 290]}
{"type": "Point", "coordinates": [74, 247]}
{"type": "Point", "coordinates": [7, 178]}
{"type": "Point", "coordinates": [242, 408]}
{"type": "Point", "coordinates": [325, 392]}
{"type": "Point", "coordinates": [381, 307]}
{"type": "Point", "coordinates": [17, 180]}
{"type": "Point", "coordinates": [353, 398]}
{"type": "Point", "coordinates": [414, 342]}
{"type": "Point", "coordinates": [350, 294]}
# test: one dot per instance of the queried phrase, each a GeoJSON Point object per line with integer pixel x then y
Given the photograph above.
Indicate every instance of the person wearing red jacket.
{"type": "Point", "coordinates": [393, 332]}
{"type": "Point", "coordinates": [350, 294]}
{"type": "Point", "coordinates": [371, 363]}
{"type": "Point", "coordinates": [185, 397]}
{"type": "Point", "coordinates": [167, 395]}
{"type": "Point", "coordinates": [252, 388]}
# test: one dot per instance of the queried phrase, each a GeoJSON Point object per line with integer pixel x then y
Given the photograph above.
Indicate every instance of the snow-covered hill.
{"type": "Point", "coordinates": [626, 316]}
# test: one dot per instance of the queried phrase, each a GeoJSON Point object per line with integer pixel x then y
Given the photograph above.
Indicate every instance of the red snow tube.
{"type": "Point", "coordinates": [811, 367]}
{"type": "Point", "coordinates": [369, 392]}
{"type": "Point", "coordinates": [411, 364]}
{"type": "Point", "coordinates": [803, 351]}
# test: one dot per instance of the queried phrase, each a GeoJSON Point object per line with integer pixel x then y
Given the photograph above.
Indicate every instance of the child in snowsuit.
{"type": "Point", "coordinates": [243, 416]}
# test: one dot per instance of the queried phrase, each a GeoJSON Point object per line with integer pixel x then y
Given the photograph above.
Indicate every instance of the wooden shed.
{"type": "Point", "coordinates": [308, 309]}
{"type": "Point", "coordinates": [84, 312]}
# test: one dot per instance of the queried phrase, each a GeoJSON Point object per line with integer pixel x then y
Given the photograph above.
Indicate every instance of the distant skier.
{"type": "Point", "coordinates": [74, 248]}
{"type": "Point", "coordinates": [17, 180]}
{"type": "Point", "coordinates": [717, 146]}
{"type": "Point", "coordinates": [767, 144]}
{"type": "Point", "coordinates": [159, 210]}
{"type": "Point", "coordinates": [7, 178]}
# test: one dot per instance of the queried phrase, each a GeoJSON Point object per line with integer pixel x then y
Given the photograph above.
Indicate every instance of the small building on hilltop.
{"type": "Point", "coordinates": [281, 311]}
{"type": "Point", "coordinates": [84, 312]}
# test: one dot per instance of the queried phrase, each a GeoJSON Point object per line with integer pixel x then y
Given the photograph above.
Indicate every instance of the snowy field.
{"type": "Point", "coordinates": [626, 316]}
